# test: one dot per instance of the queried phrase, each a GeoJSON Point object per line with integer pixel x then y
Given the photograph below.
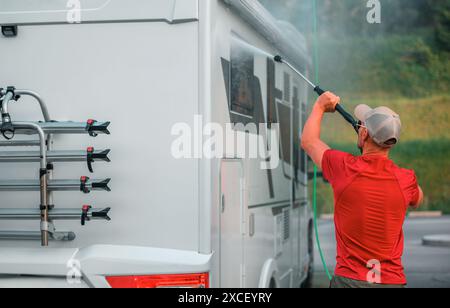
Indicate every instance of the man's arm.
{"type": "Point", "coordinates": [311, 141]}
{"type": "Point", "coordinates": [415, 206]}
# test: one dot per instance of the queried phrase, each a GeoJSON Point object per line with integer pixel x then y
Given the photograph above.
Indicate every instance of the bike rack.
{"type": "Point", "coordinates": [86, 213]}
{"type": "Point", "coordinates": [85, 185]}
{"type": "Point", "coordinates": [46, 185]}
{"type": "Point", "coordinates": [89, 156]}
{"type": "Point", "coordinates": [90, 127]}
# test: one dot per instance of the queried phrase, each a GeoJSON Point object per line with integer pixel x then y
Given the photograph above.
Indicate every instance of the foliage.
{"type": "Point", "coordinates": [407, 54]}
{"type": "Point", "coordinates": [403, 63]}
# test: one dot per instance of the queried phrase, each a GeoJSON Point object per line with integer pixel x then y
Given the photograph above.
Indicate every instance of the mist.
{"type": "Point", "coordinates": [412, 40]}
{"type": "Point", "coordinates": [402, 62]}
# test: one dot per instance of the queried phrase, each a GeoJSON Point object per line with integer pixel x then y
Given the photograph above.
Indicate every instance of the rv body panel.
{"type": "Point", "coordinates": [143, 77]}
{"type": "Point", "coordinates": [146, 68]}
{"type": "Point", "coordinates": [97, 11]}
{"type": "Point", "coordinates": [91, 265]}
{"type": "Point", "coordinates": [275, 207]}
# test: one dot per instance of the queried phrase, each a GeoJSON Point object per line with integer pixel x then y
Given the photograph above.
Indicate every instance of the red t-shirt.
{"type": "Point", "coordinates": [372, 196]}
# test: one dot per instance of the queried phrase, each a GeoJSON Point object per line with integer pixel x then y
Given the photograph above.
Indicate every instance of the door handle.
{"type": "Point", "coordinates": [251, 225]}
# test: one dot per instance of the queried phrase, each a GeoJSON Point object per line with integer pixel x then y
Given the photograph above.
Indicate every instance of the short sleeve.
{"type": "Point", "coordinates": [409, 185]}
{"type": "Point", "coordinates": [334, 165]}
{"type": "Point", "coordinates": [412, 190]}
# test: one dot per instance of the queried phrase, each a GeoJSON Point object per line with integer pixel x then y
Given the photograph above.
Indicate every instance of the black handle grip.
{"type": "Point", "coordinates": [319, 91]}
{"type": "Point", "coordinates": [347, 116]}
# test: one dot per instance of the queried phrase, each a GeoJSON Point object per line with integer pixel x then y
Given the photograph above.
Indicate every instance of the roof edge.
{"type": "Point", "coordinates": [283, 35]}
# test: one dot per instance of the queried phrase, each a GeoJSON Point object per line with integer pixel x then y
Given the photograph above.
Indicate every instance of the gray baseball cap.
{"type": "Point", "coordinates": [383, 124]}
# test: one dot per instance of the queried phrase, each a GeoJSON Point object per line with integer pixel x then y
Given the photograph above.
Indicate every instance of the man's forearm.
{"type": "Point", "coordinates": [311, 141]}
{"type": "Point", "coordinates": [312, 129]}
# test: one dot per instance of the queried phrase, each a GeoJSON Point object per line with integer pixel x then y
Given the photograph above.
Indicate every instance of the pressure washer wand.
{"type": "Point", "coordinates": [347, 116]}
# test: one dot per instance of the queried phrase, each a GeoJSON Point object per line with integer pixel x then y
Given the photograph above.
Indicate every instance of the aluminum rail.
{"type": "Point", "coordinates": [38, 98]}
{"type": "Point", "coordinates": [42, 142]}
{"type": "Point", "coordinates": [55, 185]}
{"type": "Point", "coordinates": [34, 236]}
{"type": "Point", "coordinates": [47, 118]}
{"type": "Point", "coordinates": [7, 128]}
{"type": "Point", "coordinates": [9, 96]}
{"type": "Point", "coordinates": [21, 143]}
{"type": "Point", "coordinates": [42, 183]}
{"type": "Point", "coordinates": [68, 128]}
{"type": "Point", "coordinates": [53, 156]}
{"type": "Point", "coordinates": [55, 214]}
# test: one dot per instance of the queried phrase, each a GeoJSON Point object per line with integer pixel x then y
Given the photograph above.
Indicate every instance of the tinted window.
{"type": "Point", "coordinates": [242, 68]}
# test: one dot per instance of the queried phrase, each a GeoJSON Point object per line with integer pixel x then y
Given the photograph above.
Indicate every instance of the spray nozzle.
{"type": "Point", "coordinates": [348, 117]}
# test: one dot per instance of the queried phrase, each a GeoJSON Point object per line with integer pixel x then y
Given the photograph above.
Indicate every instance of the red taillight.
{"type": "Point", "coordinates": [160, 281]}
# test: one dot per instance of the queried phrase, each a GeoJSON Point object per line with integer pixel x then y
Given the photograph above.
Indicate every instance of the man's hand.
{"type": "Point", "coordinates": [327, 102]}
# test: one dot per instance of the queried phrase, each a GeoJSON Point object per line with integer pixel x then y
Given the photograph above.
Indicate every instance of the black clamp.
{"type": "Point", "coordinates": [50, 167]}
{"type": "Point", "coordinates": [89, 127]}
{"type": "Point", "coordinates": [83, 186]}
{"type": "Point", "coordinates": [43, 172]}
{"type": "Point", "coordinates": [15, 97]}
{"type": "Point", "coordinates": [12, 89]}
{"type": "Point", "coordinates": [90, 159]}
{"type": "Point", "coordinates": [85, 214]}
{"type": "Point", "coordinates": [7, 128]}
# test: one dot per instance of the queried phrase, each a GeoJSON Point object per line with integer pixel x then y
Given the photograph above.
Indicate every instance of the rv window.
{"type": "Point", "coordinates": [242, 80]}
{"type": "Point", "coordinates": [299, 121]}
{"type": "Point", "coordinates": [287, 88]}
{"type": "Point", "coordinates": [284, 116]}
{"type": "Point", "coordinates": [272, 93]}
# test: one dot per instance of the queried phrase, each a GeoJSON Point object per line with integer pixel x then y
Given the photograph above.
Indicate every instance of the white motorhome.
{"type": "Point", "coordinates": [146, 66]}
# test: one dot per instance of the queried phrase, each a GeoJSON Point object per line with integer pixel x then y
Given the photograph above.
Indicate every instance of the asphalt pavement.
{"type": "Point", "coordinates": [425, 267]}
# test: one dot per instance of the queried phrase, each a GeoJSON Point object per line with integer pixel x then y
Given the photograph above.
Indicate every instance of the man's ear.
{"type": "Point", "coordinates": [365, 134]}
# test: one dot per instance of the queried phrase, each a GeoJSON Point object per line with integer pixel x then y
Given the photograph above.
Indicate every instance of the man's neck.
{"type": "Point", "coordinates": [374, 150]}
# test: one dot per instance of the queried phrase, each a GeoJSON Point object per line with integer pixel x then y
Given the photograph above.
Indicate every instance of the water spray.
{"type": "Point", "coordinates": [347, 116]}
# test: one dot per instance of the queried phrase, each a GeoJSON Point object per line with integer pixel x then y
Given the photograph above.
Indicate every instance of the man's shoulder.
{"type": "Point", "coordinates": [341, 164]}
{"type": "Point", "coordinates": [403, 173]}
{"type": "Point", "coordinates": [408, 183]}
{"type": "Point", "coordinates": [339, 154]}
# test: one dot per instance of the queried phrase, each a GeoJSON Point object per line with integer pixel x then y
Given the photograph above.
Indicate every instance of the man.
{"type": "Point", "coordinates": [372, 196]}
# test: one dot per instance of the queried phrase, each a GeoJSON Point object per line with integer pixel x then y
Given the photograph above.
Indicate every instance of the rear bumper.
{"type": "Point", "coordinates": [89, 266]}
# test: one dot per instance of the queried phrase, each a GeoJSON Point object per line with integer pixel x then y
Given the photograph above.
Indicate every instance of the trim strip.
{"type": "Point", "coordinates": [270, 204]}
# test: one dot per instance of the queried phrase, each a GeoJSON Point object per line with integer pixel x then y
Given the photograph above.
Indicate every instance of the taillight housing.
{"type": "Point", "coordinates": [194, 281]}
